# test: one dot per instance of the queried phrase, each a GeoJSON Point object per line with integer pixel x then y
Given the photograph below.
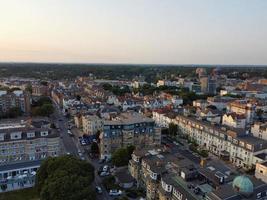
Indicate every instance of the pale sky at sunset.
{"type": "Point", "coordinates": [134, 31]}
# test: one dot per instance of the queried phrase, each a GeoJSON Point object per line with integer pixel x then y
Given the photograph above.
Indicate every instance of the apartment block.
{"type": "Point", "coordinates": [91, 124]}
{"type": "Point", "coordinates": [16, 99]}
{"type": "Point", "coordinates": [128, 129]}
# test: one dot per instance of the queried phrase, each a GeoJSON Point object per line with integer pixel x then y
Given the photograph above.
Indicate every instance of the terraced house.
{"type": "Point", "coordinates": [236, 145]}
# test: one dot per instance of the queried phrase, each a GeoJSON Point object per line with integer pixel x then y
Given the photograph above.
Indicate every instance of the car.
{"type": "Point", "coordinates": [115, 192]}
{"type": "Point", "coordinates": [98, 189]}
{"type": "Point", "coordinates": [105, 168]}
{"type": "Point", "coordinates": [82, 158]}
{"type": "Point", "coordinates": [83, 143]}
{"type": "Point", "coordinates": [102, 174]}
{"type": "Point", "coordinates": [68, 153]}
{"type": "Point", "coordinates": [70, 133]}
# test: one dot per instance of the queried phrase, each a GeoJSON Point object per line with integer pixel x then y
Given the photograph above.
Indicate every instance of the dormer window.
{"type": "Point", "coordinates": [15, 136]}
{"type": "Point", "coordinates": [44, 133]}
{"type": "Point", "coordinates": [30, 135]}
{"type": "Point", "coordinates": [153, 176]}
{"type": "Point", "coordinates": [2, 136]}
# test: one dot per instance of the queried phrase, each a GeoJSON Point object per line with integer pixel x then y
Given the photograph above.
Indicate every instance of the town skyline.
{"type": "Point", "coordinates": [171, 32]}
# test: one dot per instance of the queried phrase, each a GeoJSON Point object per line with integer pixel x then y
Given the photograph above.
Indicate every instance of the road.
{"type": "Point", "coordinates": [72, 145]}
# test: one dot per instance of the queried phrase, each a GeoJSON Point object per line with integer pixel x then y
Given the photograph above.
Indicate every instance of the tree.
{"type": "Point", "coordinates": [29, 88]}
{"type": "Point", "coordinates": [65, 177]}
{"type": "Point", "coordinates": [94, 148]}
{"type": "Point", "coordinates": [78, 97]}
{"type": "Point", "coordinates": [122, 156]}
{"type": "Point", "coordinates": [97, 135]}
{"type": "Point", "coordinates": [259, 113]}
{"type": "Point", "coordinates": [44, 110]}
{"type": "Point", "coordinates": [173, 129]}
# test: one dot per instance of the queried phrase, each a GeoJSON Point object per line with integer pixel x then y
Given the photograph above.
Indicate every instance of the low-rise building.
{"type": "Point", "coordinates": [234, 120]}
{"type": "Point", "coordinates": [243, 107]}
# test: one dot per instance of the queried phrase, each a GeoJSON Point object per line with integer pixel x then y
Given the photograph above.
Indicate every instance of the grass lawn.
{"type": "Point", "coordinates": [25, 194]}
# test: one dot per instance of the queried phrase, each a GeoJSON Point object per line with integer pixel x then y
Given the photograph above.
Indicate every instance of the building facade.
{"type": "Point", "coordinates": [128, 129]}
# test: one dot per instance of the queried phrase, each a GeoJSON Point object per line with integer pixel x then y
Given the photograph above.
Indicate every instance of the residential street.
{"type": "Point", "coordinates": [71, 145]}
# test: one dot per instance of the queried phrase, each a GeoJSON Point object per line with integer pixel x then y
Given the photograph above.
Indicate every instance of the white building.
{"type": "Point", "coordinates": [234, 120]}
{"type": "Point", "coordinates": [239, 148]}
{"type": "Point", "coordinates": [259, 130]}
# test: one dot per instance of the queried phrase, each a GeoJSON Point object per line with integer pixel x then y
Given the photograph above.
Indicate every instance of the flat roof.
{"type": "Point", "coordinates": [20, 165]}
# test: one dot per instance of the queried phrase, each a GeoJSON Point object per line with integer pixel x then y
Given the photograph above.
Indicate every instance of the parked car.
{"type": "Point", "coordinates": [102, 174]}
{"type": "Point", "coordinates": [83, 143]}
{"type": "Point", "coordinates": [98, 190]}
{"type": "Point", "coordinates": [105, 168]}
{"type": "Point", "coordinates": [70, 133]}
{"type": "Point", "coordinates": [115, 192]}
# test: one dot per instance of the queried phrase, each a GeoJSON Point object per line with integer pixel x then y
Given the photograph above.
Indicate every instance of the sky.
{"type": "Point", "coordinates": [134, 31]}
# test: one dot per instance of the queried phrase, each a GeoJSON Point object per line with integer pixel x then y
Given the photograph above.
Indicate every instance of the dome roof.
{"type": "Point", "coordinates": [243, 185]}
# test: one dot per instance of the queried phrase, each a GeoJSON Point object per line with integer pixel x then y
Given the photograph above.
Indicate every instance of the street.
{"type": "Point", "coordinates": [72, 145]}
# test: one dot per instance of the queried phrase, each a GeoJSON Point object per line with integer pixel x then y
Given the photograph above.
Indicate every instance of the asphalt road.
{"type": "Point", "coordinates": [71, 145]}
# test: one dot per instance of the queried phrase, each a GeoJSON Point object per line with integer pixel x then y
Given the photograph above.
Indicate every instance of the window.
{"type": "Point", "coordinates": [44, 133]}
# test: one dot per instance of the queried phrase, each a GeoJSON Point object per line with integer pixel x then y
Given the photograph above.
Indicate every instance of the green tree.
{"type": "Point", "coordinates": [173, 129]}
{"type": "Point", "coordinates": [65, 178]}
{"type": "Point", "coordinates": [29, 88]}
{"type": "Point", "coordinates": [94, 148]}
{"type": "Point", "coordinates": [44, 110]}
{"type": "Point", "coordinates": [122, 156]}
{"type": "Point", "coordinates": [259, 113]}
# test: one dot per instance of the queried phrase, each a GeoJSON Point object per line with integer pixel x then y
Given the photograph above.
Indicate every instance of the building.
{"type": "Point", "coordinates": [40, 90]}
{"type": "Point", "coordinates": [242, 107]}
{"type": "Point", "coordinates": [163, 117]}
{"type": "Point", "coordinates": [168, 176]}
{"type": "Point", "coordinates": [22, 143]}
{"type": "Point", "coordinates": [91, 124]}
{"type": "Point", "coordinates": [207, 84]}
{"type": "Point", "coordinates": [220, 102]}
{"type": "Point", "coordinates": [23, 146]}
{"type": "Point", "coordinates": [128, 129]}
{"type": "Point", "coordinates": [259, 130]}
{"type": "Point", "coordinates": [200, 103]}
{"type": "Point", "coordinates": [16, 99]}
{"type": "Point", "coordinates": [261, 171]}
{"type": "Point", "coordinates": [236, 146]}
{"type": "Point", "coordinates": [234, 120]}
{"type": "Point", "coordinates": [211, 115]}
